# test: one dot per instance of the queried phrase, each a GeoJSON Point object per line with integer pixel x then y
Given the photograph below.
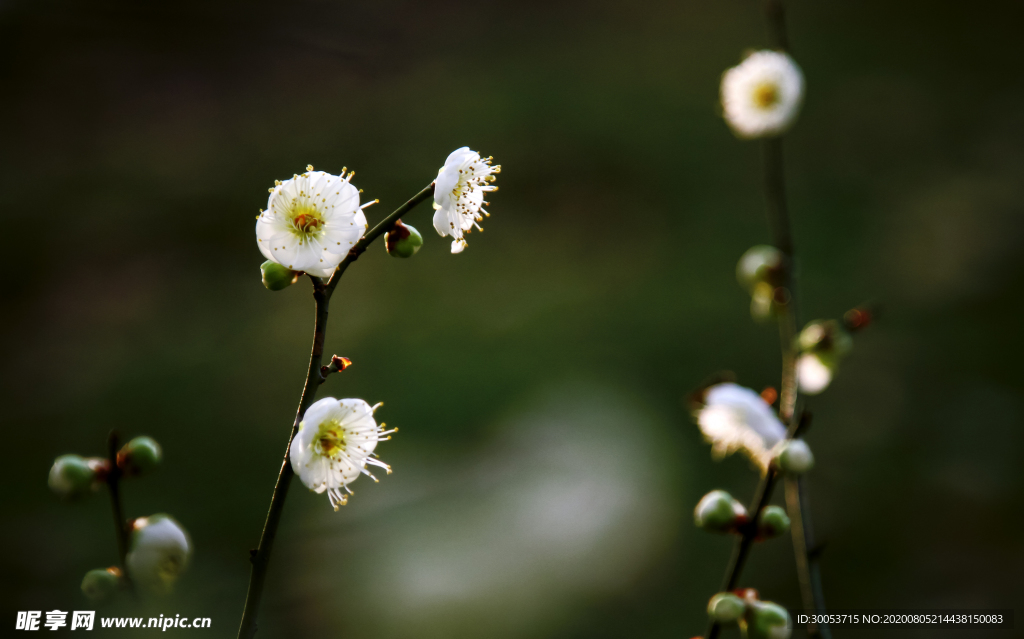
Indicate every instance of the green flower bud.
{"type": "Point", "coordinates": [402, 240]}
{"type": "Point", "coordinates": [766, 620]}
{"type": "Point", "coordinates": [277, 277]}
{"type": "Point", "coordinates": [795, 458]}
{"type": "Point", "coordinates": [159, 552]}
{"type": "Point", "coordinates": [73, 475]}
{"type": "Point", "coordinates": [100, 585]}
{"type": "Point", "coordinates": [726, 607]}
{"type": "Point", "coordinates": [760, 264]}
{"type": "Point", "coordinates": [825, 337]}
{"type": "Point", "coordinates": [717, 511]}
{"type": "Point", "coordinates": [140, 455]}
{"type": "Point", "coordinates": [772, 522]}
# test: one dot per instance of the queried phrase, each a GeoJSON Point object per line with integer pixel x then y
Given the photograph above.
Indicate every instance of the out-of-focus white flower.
{"type": "Point", "coordinates": [762, 95]}
{"type": "Point", "coordinates": [311, 222]}
{"type": "Point", "coordinates": [813, 374]}
{"type": "Point", "coordinates": [736, 418]}
{"type": "Point", "coordinates": [459, 194]}
{"type": "Point", "coordinates": [160, 550]}
{"type": "Point", "coordinates": [334, 444]}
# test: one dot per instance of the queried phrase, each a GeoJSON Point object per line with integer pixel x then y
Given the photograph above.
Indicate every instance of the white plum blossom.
{"type": "Point", "coordinates": [736, 418]}
{"type": "Point", "coordinates": [311, 222]}
{"type": "Point", "coordinates": [334, 444]}
{"type": "Point", "coordinates": [459, 194]}
{"type": "Point", "coordinates": [160, 550]}
{"type": "Point", "coordinates": [813, 374]}
{"type": "Point", "coordinates": [762, 95]}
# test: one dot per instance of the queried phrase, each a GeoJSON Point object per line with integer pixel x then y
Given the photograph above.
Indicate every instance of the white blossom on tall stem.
{"type": "Point", "coordinates": [311, 222]}
{"type": "Point", "coordinates": [762, 96]}
{"type": "Point", "coordinates": [334, 444]}
{"type": "Point", "coordinates": [736, 418]}
{"type": "Point", "coordinates": [459, 194]}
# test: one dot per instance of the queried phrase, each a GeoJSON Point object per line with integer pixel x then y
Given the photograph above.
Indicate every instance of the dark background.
{"type": "Point", "coordinates": [547, 465]}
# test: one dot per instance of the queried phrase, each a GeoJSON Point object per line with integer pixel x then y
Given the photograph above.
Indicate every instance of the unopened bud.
{"type": "Point", "coordinates": [277, 277]}
{"type": "Point", "coordinates": [160, 550]}
{"type": "Point", "coordinates": [140, 455]}
{"type": "Point", "coordinates": [772, 522]}
{"type": "Point", "coordinates": [826, 337]}
{"type": "Point", "coordinates": [100, 585]}
{"type": "Point", "coordinates": [726, 607]}
{"type": "Point", "coordinates": [403, 240]}
{"type": "Point", "coordinates": [795, 458]}
{"type": "Point", "coordinates": [73, 475]}
{"type": "Point", "coordinates": [760, 264]}
{"type": "Point", "coordinates": [814, 372]}
{"type": "Point", "coordinates": [766, 620]}
{"type": "Point", "coordinates": [717, 511]}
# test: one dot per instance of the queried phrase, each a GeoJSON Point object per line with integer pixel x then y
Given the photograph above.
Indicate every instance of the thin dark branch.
{"type": "Point", "coordinates": [382, 227]}
{"type": "Point", "coordinates": [806, 560]}
{"type": "Point", "coordinates": [260, 557]}
{"type": "Point", "coordinates": [114, 485]}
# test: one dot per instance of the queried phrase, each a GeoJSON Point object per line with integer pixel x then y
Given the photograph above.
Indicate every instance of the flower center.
{"type": "Point", "coordinates": [766, 95]}
{"type": "Point", "coordinates": [331, 438]}
{"type": "Point", "coordinates": [306, 221]}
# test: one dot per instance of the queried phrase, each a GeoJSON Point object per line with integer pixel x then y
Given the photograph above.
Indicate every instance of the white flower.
{"type": "Point", "coordinates": [311, 222]}
{"type": "Point", "coordinates": [459, 194]}
{"type": "Point", "coordinates": [159, 552]}
{"type": "Point", "coordinates": [334, 444]}
{"type": "Point", "coordinates": [762, 96]}
{"type": "Point", "coordinates": [736, 418]}
{"type": "Point", "coordinates": [813, 374]}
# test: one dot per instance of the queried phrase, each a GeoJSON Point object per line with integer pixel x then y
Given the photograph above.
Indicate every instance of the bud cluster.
{"type": "Point", "coordinates": [158, 547]}
{"type": "Point", "coordinates": [720, 512]}
{"type": "Point", "coordinates": [757, 619]}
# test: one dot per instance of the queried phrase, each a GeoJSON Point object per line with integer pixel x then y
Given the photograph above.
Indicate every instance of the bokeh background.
{"type": "Point", "coordinates": [547, 464]}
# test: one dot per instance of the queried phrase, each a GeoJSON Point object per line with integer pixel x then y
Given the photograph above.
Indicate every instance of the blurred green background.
{"type": "Point", "coordinates": [547, 465]}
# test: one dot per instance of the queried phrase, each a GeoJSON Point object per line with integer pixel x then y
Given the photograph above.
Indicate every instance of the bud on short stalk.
{"type": "Point", "coordinates": [726, 608]}
{"type": "Point", "coordinates": [765, 620]}
{"type": "Point", "coordinates": [795, 457]}
{"type": "Point", "coordinates": [826, 337]}
{"type": "Point", "coordinates": [73, 476]}
{"type": "Point", "coordinates": [772, 522]}
{"type": "Point", "coordinates": [402, 240]}
{"type": "Point", "coordinates": [277, 277]}
{"type": "Point", "coordinates": [160, 550]}
{"type": "Point", "coordinates": [140, 455]}
{"type": "Point", "coordinates": [100, 585]}
{"type": "Point", "coordinates": [761, 264]}
{"type": "Point", "coordinates": [719, 512]}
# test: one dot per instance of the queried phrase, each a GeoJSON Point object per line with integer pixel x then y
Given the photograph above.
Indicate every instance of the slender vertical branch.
{"type": "Point", "coordinates": [788, 317]}
{"type": "Point", "coordinates": [114, 485]}
{"type": "Point", "coordinates": [322, 292]}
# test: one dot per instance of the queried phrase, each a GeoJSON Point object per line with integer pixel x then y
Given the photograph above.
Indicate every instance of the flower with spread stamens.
{"type": "Point", "coordinates": [736, 418]}
{"type": "Point", "coordinates": [762, 95]}
{"type": "Point", "coordinates": [311, 222]}
{"type": "Point", "coordinates": [334, 444]}
{"type": "Point", "coordinates": [459, 194]}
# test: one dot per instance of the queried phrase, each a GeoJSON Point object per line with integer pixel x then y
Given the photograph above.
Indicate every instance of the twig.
{"type": "Point", "coordinates": [322, 292]}
{"type": "Point", "coordinates": [114, 485]}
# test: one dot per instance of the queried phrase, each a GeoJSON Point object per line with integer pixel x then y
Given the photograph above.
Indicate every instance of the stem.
{"type": "Point", "coordinates": [114, 484]}
{"type": "Point", "coordinates": [382, 227]}
{"type": "Point", "coordinates": [807, 565]}
{"type": "Point", "coordinates": [786, 303]}
{"type": "Point", "coordinates": [322, 292]}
